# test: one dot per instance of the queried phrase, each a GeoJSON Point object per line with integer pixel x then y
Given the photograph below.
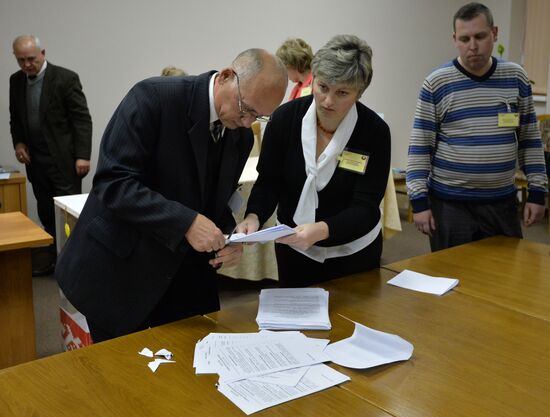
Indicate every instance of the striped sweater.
{"type": "Point", "coordinates": [457, 151]}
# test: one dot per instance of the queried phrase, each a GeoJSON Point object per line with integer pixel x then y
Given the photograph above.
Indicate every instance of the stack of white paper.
{"type": "Point", "coordinates": [423, 283]}
{"type": "Point", "coordinates": [293, 308]}
{"type": "Point", "coordinates": [259, 370]}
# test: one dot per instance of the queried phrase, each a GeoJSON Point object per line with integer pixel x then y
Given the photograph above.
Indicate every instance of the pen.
{"type": "Point", "coordinates": [227, 242]}
{"type": "Point", "coordinates": [228, 239]}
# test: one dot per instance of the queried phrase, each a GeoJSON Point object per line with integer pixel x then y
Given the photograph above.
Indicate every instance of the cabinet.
{"type": "Point", "coordinates": [13, 193]}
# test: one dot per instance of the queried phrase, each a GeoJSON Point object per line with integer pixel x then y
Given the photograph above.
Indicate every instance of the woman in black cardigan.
{"type": "Point", "coordinates": [324, 163]}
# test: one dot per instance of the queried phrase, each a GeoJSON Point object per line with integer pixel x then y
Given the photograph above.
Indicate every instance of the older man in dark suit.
{"type": "Point", "coordinates": [146, 245]}
{"type": "Point", "coordinates": [51, 130]}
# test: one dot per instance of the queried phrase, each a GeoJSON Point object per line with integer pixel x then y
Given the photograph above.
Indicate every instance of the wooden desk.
{"type": "Point", "coordinates": [471, 357]}
{"type": "Point", "coordinates": [509, 272]}
{"type": "Point", "coordinates": [111, 379]}
{"type": "Point", "coordinates": [13, 193]}
{"type": "Point", "coordinates": [17, 336]}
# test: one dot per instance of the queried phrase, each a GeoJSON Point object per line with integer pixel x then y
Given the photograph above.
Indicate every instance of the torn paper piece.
{"type": "Point", "coordinates": [156, 363]}
{"type": "Point", "coordinates": [146, 352]}
{"type": "Point", "coordinates": [164, 352]}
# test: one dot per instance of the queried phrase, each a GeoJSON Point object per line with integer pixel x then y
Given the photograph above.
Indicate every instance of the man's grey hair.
{"type": "Point", "coordinates": [345, 59]}
{"type": "Point", "coordinates": [471, 11]}
{"type": "Point", "coordinates": [23, 38]}
{"type": "Point", "coordinates": [250, 62]}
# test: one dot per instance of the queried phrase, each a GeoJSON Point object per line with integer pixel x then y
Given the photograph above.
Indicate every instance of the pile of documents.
{"type": "Point", "coordinates": [260, 370]}
{"type": "Point", "coordinates": [293, 308]}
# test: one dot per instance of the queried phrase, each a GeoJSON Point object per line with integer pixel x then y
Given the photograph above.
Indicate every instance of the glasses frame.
{"type": "Point", "coordinates": [244, 109]}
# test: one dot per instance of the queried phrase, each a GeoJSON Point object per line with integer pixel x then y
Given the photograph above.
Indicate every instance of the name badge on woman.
{"type": "Point", "coordinates": [353, 161]}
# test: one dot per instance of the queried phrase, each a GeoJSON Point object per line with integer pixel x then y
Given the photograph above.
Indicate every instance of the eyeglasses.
{"type": "Point", "coordinates": [245, 110]}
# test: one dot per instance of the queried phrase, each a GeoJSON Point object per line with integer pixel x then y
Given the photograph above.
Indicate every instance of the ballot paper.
{"type": "Point", "coordinates": [206, 349]}
{"type": "Point", "coordinates": [368, 347]}
{"type": "Point", "coordinates": [262, 236]}
{"type": "Point", "coordinates": [264, 357]}
{"type": "Point", "coordinates": [293, 308]}
{"type": "Point", "coordinates": [424, 283]}
{"type": "Point", "coordinates": [252, 396]}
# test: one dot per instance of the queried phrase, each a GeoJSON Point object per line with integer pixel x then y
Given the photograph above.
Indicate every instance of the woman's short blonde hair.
{"type": "Point", "coordinates": [296, 54]}
{"type": "Point", "coordinates": [170, 70]}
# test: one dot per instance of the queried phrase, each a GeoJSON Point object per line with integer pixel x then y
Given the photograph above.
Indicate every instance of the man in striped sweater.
{"type": "Point", "coordinates": [474, 122]}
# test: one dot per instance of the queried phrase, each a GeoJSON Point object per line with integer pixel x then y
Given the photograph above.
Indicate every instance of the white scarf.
{"type": "Point", "coordinates": [319, 172]}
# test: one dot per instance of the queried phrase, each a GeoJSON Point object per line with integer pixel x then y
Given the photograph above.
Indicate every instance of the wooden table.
{"type": "Point", "coordinates": [111, 379]}
{"type": "Point", "coordinates": [509, 272]}
{"type": "Point", "coordinates": [472, 357]}
{"type": "Point", "coordinates": [17, 335]}
{"type": "Point", "coordinates": [13, 193]}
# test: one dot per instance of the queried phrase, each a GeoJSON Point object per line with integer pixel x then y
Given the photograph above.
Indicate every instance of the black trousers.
{"type": "Point", "coordinates": [459, 222]}
{"type": "Point", "coordinates": [193, 291]}
{"type": "Point", "coordinates": [48, 182]}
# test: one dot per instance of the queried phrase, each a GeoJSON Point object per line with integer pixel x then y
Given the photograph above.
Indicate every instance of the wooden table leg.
{"type": "Point", "coordinates": [17, 333]}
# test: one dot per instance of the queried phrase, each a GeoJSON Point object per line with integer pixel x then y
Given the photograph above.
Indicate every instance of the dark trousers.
{"type": "Point", "coordinates": [47, 182]}
{"type": "Point", "coordinates": [459, 222]}
{"type": "Point", "coordinates": [193, 291]}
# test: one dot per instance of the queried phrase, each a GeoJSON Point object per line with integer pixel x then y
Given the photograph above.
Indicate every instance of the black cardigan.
{"type": "Point", "coordinates": [350, 202]}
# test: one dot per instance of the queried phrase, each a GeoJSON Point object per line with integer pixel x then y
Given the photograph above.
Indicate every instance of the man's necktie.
{"type": "Point", "coordinates": [216, 130]}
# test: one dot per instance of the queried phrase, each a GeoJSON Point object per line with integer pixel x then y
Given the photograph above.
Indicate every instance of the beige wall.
{"type": "Point", "coordinates": [113, 44]}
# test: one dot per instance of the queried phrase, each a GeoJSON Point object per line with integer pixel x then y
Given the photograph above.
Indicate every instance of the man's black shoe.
{"type": "Point", "coordinates": [41, 271]}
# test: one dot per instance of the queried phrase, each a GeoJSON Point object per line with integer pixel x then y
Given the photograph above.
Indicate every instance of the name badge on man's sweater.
{"type": "Point", "coordinates": [508, 119]}
{"type": "Point", "coordinates": [353, 161]}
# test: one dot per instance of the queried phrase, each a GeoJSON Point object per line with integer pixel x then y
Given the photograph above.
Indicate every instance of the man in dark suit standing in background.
{"type": "Point", "coordinates": [146, 245]}
{"type": "Point", "coordinates": [51, 130]}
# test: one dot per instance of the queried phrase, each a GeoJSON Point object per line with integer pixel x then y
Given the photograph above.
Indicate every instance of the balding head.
{"type": "Point", "coordinates": [257, 80]}
{"type": "Point", "coordinates": [29, 54]}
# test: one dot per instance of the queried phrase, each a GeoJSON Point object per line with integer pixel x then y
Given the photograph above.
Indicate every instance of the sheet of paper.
{"type": "Point", "coordinates": [251, 396]}
{"type": "Point", "coordinates": [368, 347]}
{"type": "Point", "coordinates": [245, 361]}
{"type": "Point", "coordinates": [424, 283]}
{"type": "Point", "coordinates": [205, 350]}
{"type": "Point", "coordinates": [290, 377]}
{"type": "Point", "coordinates": [293, 308]}
{"type": "Point", "coordinates": [264, 235]}
{"type": "Point", "coordinates": [4, 175]}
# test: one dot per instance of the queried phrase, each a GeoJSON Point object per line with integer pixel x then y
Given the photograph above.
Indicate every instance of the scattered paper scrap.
{"type": "Point", "coordinates": [368, 347]}
{"type": "Point", "coordinates": [156, 363]}
{"type": "Point", "coordinates": [424, 283]}
{"type": "Point", "coordinates": [164, 352]}
{"type": "Point", "coordinates": [146, 352]}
